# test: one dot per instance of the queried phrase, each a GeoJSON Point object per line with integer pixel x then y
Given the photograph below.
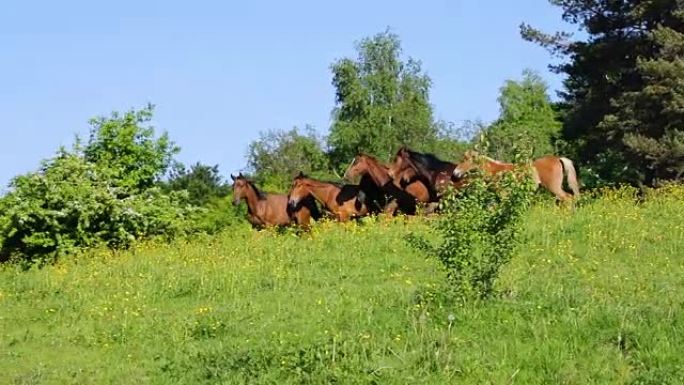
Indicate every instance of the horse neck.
{"type": "Point", "coordinates": [252, 199]}
{"type": "Point", "coordinates": [421, 170]}
{"type": "Point", "coordinates": [379, 174]}
{"type": "Point", "coordinates": [319, 189]}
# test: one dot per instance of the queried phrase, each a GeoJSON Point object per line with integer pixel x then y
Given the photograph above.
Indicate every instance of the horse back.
{"type": "Point", "coordinates": [548, 168]}
{"type": "Point", "coordinates": [274, 210]}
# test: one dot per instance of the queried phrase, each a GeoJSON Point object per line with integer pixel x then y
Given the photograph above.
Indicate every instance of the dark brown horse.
{"type": "Point", "coordinates": [403, 198]}
{"type": "Point", "coordinates": [547, 171]}
{"type": "Point", "coordinates": [376, 199]}
{"type": "Point", "coordinates": [343, 200]}
{"type": "Point", "coordinates": [267, 210]}
{"type": "Point", "coordinates": [435, 173]}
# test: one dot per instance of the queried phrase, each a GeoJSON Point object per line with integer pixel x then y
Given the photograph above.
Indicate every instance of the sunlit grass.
{"type": "Point", "coordinates": [592, 296]}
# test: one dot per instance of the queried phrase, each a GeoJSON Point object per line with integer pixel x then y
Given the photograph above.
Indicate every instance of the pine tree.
{"type": "Point", "coordinates": [621, 91]}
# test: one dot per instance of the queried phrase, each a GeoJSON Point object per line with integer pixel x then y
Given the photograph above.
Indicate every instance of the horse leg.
{"type": "Point", "coordinates": [556, 187]}
{"type": "Point", "coordinates": [431, 208]}
{"type": "Point", "coordinates": [303, 219]}
{"type": "Point", "coordinates": [342, 216]}
{"type": "Point", "coordinates": [391, 208]}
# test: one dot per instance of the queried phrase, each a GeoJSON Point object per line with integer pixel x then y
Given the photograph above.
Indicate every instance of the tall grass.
{"type": "Point", "coordinates": [594, 297]}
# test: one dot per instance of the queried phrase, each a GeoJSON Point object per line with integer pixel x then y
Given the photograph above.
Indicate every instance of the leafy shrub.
{"type": "Point", "coordinates": [128, 150]}
{"type": "Point", "coordinates": [70, 203]}
{"type": "Point", "coordinates": [478, 230]}
{"type": "Point", "coordinates": [218, 214]}
{"type": "Point", "coordinates": [278, 155]}
{"type": "Point", "coordinates": [100, 193]}
{"type": "Point", "coordinates": [203, 183]}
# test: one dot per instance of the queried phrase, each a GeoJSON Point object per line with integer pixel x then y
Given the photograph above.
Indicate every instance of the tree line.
{"type": "Point", "coordinates": [619, 117]}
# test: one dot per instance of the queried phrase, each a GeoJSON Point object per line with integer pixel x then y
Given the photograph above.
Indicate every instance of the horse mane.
{"type": "Point", "coordinates": [334, 183]}
{"type": "Point", "coordinates": [427, 160]}
{"type": "Point", "coordinates": [374, 160]}
{"type": "Point", "coordinates": [260, 194]}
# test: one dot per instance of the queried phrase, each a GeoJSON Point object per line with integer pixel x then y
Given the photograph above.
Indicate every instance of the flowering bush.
{"type": "Point", "coordinates": [99, 193]}
{"type": "Point", "coordinates": [70, 204]}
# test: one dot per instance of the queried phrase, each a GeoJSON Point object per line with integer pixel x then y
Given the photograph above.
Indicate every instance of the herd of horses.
{"type": "Point", "coordinates": [410, 181]}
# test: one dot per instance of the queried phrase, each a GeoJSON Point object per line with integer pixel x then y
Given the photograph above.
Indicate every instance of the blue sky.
{"type": "Point", "coordinates": [221, 71]}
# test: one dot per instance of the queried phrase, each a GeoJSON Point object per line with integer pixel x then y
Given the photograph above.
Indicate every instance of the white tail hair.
{"type": "Point", "coordinates": [571, 176]}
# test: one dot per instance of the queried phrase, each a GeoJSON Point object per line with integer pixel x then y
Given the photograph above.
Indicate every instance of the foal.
{"type": "Point", "coordinates": [266, 210]}
{"type": "Point", "coordinates": [344, 201]}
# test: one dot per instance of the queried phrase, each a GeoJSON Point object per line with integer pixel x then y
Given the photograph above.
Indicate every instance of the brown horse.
{"type": "Point", "coordinates": [345, 201]}
{"type": "Point", "coordinates": [547, 171]}
{"type": "Point", "coordinates": [435, 173]}
{"type": "Point", "coordinates": [267, 210]}
{"type": "Point", "coordinates": [405, 197]}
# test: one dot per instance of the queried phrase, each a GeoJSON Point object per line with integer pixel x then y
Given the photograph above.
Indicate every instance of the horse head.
{"type": "Point", "coordinates": [240, 187]}
{"type": "Point", "coordinates": [298, 191]}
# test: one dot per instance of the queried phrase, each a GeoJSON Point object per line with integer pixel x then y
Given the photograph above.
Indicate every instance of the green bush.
{"type": "Point", "coordinates": [70, 203]}
{"type": "Point", "coordinates": [203, 183]}
{"type": "Point", "coordinates": [219, 214]}
{"type": "Point", "coordinates": [478, 230]}
{"type": "Point", "coordinates": [100, 193]}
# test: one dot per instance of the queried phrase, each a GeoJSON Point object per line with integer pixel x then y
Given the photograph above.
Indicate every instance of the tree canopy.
{"type": "Point", "coordinates": [101, 193]}
{"type": "Point", "coordinates": [623, 92]}
{"type": "Point", "coordinates": [527, 118]}
{"type": "Point", "coordinates": [382, 101]}
{"type": "Point", "coordinates": [202, 182]}
{"type": "Point", "coordinates": [123, 146]}
{"type": "Point", "coordinates": [278, 155]}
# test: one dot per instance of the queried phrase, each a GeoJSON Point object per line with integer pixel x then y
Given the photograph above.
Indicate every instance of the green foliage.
{"type": "Point", "coordinates": [382, 102]}
{"type": "Point", "coordinates": [651, 118]}
{"type": "Point", "coordinates": [218, 214]}
{"type": "Point", "coordinates": [622, 113]}
{"type": "Point", "coordinates": [479, 225]}
{"type": "Point", "coordinates": [99, 194]}
{"type": "Point", "coordinates": [202, 182]}
{"type": "Point", "coordinates": [71, 203]}
{"type": "Point", "coordinates": [277, 156]}
{"type": "Point", "coordinates": [526, 114]}
{"type": "Point", "coordinates": [129, 152]}
{"type": "Point", "coordinates": [451, 141]}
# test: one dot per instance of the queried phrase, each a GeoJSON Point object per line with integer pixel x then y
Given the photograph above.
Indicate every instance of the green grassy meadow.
{"type": "Point", "coordinates": [594, 296]}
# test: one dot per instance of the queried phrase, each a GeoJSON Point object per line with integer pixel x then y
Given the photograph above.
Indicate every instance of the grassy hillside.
{"type": "Point", "coordinates": [594, 296]}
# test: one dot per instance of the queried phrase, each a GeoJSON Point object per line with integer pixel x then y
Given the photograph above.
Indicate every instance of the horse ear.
{"type": "Point", "coordinates": [232, 177]}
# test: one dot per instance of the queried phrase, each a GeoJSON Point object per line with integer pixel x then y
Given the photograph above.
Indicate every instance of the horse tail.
{"type": "Point", "coordinates": [571, 176]}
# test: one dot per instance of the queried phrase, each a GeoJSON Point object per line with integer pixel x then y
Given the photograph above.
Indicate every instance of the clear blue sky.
{"type": "Point", "coordinates": [221, 71]}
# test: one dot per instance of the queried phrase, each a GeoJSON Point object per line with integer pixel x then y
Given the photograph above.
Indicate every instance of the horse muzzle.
{"type": "Point", "coordinates": [236, 202]}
